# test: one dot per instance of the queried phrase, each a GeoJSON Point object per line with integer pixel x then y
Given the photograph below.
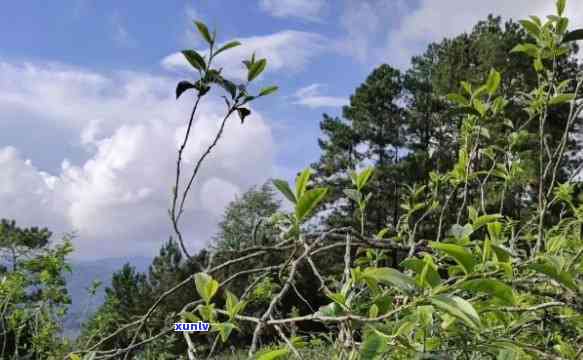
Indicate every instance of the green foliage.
{"type": "Point", "coordinates": [462, 240]}
{"type": "Point", "coordinates": [206, 286]}
{"type": "Point", "coordinates": [305, 201]}
{"type": "Point", "coordinates": [33, 297]}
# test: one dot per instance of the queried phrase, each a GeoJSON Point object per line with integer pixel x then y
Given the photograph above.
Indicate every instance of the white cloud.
{"type": "Point", "coordinates": [306, 9]}
{"type": "Point", "coordinates": [365, 23]}
{"type": "Point", "coordinates": [436, 19]}
{"type": "Point", "coordinates": [392, 32]}
{"type": "Point", "coordinates": [117, 200]}
{"type": "Point", "coordinates": [285, 51]}
{"type": "Point", "coordinates": [191, 37]}
{"type": "Point", "coordinates": [310, 96]}
{"type": "Point", "coordinates": [120, 33]}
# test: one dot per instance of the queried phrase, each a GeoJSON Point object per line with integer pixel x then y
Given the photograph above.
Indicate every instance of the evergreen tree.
{"type": "Point", "coordinates": [244, 217]}
{"type": "Point", "coordinates": [371, 133]}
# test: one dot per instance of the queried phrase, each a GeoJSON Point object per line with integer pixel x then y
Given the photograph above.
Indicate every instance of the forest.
{"type": "Point", "coordinates": [442, 220]}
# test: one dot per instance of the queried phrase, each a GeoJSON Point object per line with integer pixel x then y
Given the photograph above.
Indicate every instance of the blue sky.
{"type": "Point", "coordinates": [89, 126]}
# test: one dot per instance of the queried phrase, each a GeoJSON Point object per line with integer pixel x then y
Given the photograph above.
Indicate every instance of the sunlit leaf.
{"type": "Point", "coordinates": [268, 90]}
{"type": "Point", "coordinates": [302, 182]}
{"type": "Point", "coordinates": [373, 346]}
{"type": "Point", "coordinates": [529, 49]}
{"type": "Point", "coordinates": [256, 69]}
{"type": "Point", "coordinates": [459, 308]}
{"type": "Point", "coordinates": [285, 189]}
{"type": "Point", "coordinates": [459, 254]}
{"type": "Point", "coordinates": [493, 82]}
{"type": "Point", "coordinates": [391, 276]}
{"type": "Point", "coordinates": [492, 287]}
{"type": "Point", "coordinates": [206, 286]}
{"type": "Point", "coordinates": [227, 46]}
{"type": "Point", "coordinates": [204, 32]}
{"type": "Point", "coordinates": [308, 202]}
{"type": "Point", "coordinates": [274, 354]}
{"type": "Point", "coordinates": [561, 99]}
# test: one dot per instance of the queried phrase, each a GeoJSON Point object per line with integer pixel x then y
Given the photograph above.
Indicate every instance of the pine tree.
{"type": "Point", "coordinates": [372, 132]}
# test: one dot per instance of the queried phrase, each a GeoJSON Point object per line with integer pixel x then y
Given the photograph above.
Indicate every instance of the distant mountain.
{"type": "Point", "coordinates": [82, 276]}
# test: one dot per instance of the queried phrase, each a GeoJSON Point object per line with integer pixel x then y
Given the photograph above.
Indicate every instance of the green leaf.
{"type": "Point", "coordinates": [373, 346]}
{"type": "Point", "coordinates": [536, 20]}
{"type": "Point", "coordinates": [207, 312]}
{"type": "Point", "coordinates": [529, 49]}
{"type": "Point", "coordinates": [204, 32]}
{"type": "Point", "coordinates": [201, 87]}
{"type": "Point", "coordinates": [425, 315]}
{"type": "Point", "coordinates": [561, 99]}
{"type": "Point", "coordinates": [182, 87]}
{"type": "Point", "coordinates": [562, 25]}
{"type": "Point", "coordinates": [243, 113]}
{"type": "Point", "coordinates": [502, 254]}
{"type": "Point", "coordinates": [268, 90]}
{"type": "Point", "coordinates": [458, 99]}
{"type": "Point", "coordinates": [256, 69]}
{"type": "Point", "coordinates": [225, 329]}
{"type": "Point", "coordinates": [331, 310]}
{"type": "Point", "coordinates": [552, 271]}
{"type": "Point", "coordinates": [538, 65]}
{"type": "Point", "coordinates": [459, 308]}
{"type": "Point", "coordinates": [574, 35]}
{"type": "Point", "coordinates": [284, 188]}
{"type": "Point", "coordinates": [189, 317]}
{"type": "Point", "coordinates": [302, 182]}
{"type": "Point", "coordinates": [274, 354]}
{"type": "Point", "coordinates": [298, 342]}
{"type": "Point", "coordinates": [561, 4]}
{"type": "Point", "coordinates": [381, 234]}
{"type": "Point", "coordinates": [353, 195]}
{"type": "Point", "coordinates": [308, 202]}
{"type": "Point", "coordinates": [458, 253]}
{"type": "Point", "coordinates": [467, 87]}
{"type": "Point", "coordinates": [390, 276]}
{"type": "Point", "coordinates": [427, 275]}
{"type": "Point", "coordinates": [363, 178]}
{"type": "Point", "coordinates": [206, 286]}
{"type": "Point", "coordinates": [229, 86]}
{"type": "Point", "coordinates": [234, 306]}
{"type": "Point", "coordinates": [493, 82]}
{"type": "Point", "coordinates": [479, 106]}
{"type": "Point", "coordinates": [465, 110]}
{"type": "Point", "coordinates": [373, 311]}
{"type": "Point", "coordinates": [491, 287]}
{"type": "Point", "coordinates": [338, 298]}
{"type": "Point", "coordinates": [74, 357]}
{"type": "Point", "coordinates": [227, 46]}
{"type": "Point", "coordinates": [194, 59]}
{"type": "Point", "coordinates": [461, 232]}
{"type": "Point", "coordinates": [532, 28]}
{"type": "Point", "coordinates": [485, 220]}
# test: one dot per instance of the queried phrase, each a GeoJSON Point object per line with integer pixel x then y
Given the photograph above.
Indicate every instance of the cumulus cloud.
{"type": "Point", "coordinates": [394, 31]}
{"type": "Point", "coordinates": [306, 9]}
{"type": "Point", "coordinates": [310, 96]}
{"type": "Point", "coordinates": [365, 23]}
{"type": "Point", "coordinates": [436, 19]}
{"type": "Point", "coordinates": [285, 51]}
{"type": "Point", "coordinates": [116, 201]}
